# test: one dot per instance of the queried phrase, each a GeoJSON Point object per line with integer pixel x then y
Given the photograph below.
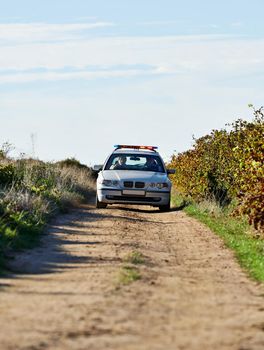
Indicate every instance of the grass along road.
{"type": "Point", "coordinates": [182, 288]}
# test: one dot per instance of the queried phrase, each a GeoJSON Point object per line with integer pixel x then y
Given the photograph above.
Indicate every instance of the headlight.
{"type": "Point", "coordinates": [109, 183]}
{"type": "Point", "coordinates": [159, 185]}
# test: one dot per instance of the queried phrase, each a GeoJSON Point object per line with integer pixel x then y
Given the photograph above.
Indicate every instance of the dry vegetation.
{"type": "Point", "coordinates": [32, 191]}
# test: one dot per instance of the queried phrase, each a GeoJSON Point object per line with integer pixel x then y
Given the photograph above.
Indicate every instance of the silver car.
{"type": "Point", "coordinates": [134, 175]}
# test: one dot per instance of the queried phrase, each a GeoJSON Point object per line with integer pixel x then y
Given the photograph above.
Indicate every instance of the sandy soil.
{"type": "Point", "coordinates": [65, 294]}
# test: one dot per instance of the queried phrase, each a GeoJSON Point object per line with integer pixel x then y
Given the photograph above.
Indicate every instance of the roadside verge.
{"type": "Point", "coordinates": [236, 233]}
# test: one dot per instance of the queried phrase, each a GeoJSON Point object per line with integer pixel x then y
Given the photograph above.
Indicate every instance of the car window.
{"type": "Point", "coordinates": [138, 162]}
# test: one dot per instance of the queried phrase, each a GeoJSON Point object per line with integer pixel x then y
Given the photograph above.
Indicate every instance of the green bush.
{"type": "Point", "coordinates": [227, 166]}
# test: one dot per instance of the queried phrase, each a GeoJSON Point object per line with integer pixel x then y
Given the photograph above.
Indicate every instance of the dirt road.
{"type": "Point", "coordinates": [67, 293]}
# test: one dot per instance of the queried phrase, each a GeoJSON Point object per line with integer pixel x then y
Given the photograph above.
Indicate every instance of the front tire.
{"type": "Point", "coordinates": [165, 207]}
{"type": "Point", "coordinates": [100, 205]}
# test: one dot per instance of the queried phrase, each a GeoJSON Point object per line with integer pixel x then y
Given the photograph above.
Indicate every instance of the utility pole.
{"type": "Point", "coordinates": [33, 144]}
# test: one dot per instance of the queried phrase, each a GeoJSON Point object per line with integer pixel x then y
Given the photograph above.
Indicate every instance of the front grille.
{"type": "Point", "coordinates": [134, 199]}
{"type": "Point", "coordinates": [140, 184]}
{"type": "Point", "coordinates": [128, 184]}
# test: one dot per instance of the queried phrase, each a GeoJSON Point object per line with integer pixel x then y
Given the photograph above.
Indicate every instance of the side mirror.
{"type": "Point", "coordinates": [171, 171]}
{"type": "Point", "coordinates": [97, 168]}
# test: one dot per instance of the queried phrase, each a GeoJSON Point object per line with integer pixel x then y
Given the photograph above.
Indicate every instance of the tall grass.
{"type": "Point", "coordinates": [32, 191]}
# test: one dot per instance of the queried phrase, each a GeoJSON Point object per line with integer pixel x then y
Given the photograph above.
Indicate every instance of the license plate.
{"type": "Point", "coordinates": [133, 193]}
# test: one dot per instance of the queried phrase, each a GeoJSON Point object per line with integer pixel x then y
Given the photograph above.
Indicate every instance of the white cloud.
{"type": "Point", "coordinates": [35, 32]}
{"type": "Point", "coordinates": [80, 75]}
{"type": "Point", "coordinates": [176, 53]}
{"type": "Point", "coordinates": [194, 54]}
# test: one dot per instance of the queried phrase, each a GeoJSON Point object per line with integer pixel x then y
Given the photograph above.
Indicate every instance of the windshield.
{"type": "Point", "coordinates": [139, 162]}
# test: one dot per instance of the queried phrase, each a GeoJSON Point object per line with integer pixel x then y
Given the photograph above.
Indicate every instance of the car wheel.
{"type": "Point", "coordinates": [100, 205]}
{"type": "Point", "coordinates": [165, 207]}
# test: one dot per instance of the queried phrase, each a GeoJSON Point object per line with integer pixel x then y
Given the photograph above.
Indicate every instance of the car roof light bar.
{"type": "Point", "coordinates": [150, 148]}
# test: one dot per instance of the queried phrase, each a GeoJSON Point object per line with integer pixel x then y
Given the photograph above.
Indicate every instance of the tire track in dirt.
{"type": "Point", "coordinates": [192, 294]}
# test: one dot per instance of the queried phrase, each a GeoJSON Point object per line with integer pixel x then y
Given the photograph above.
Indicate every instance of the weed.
{"type": "Point", "coordinates": [135, 258]}
{"type": "Point", "coordinates": [128, 274]}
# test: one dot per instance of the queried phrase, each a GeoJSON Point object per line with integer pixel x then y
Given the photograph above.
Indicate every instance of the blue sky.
{"type": "Point", "coordinates": [82, 75]}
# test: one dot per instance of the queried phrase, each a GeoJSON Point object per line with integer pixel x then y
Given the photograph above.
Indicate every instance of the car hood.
{"type": "Point", "coordinates": [130, 175]}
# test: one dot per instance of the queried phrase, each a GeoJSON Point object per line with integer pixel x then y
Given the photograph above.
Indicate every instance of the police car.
{"type": "Point", "coordinates": [134, 175]}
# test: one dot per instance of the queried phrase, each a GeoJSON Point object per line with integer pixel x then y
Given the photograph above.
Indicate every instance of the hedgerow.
{"type": "Point", "coordinates": [227, 166]}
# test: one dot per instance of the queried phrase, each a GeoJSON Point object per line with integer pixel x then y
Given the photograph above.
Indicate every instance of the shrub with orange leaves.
{"type": "Point", "coordinates": [227, 165]}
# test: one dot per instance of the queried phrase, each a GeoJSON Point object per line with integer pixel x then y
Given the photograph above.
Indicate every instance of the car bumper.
{"type": "Point", "coordinates": [154, 198]}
